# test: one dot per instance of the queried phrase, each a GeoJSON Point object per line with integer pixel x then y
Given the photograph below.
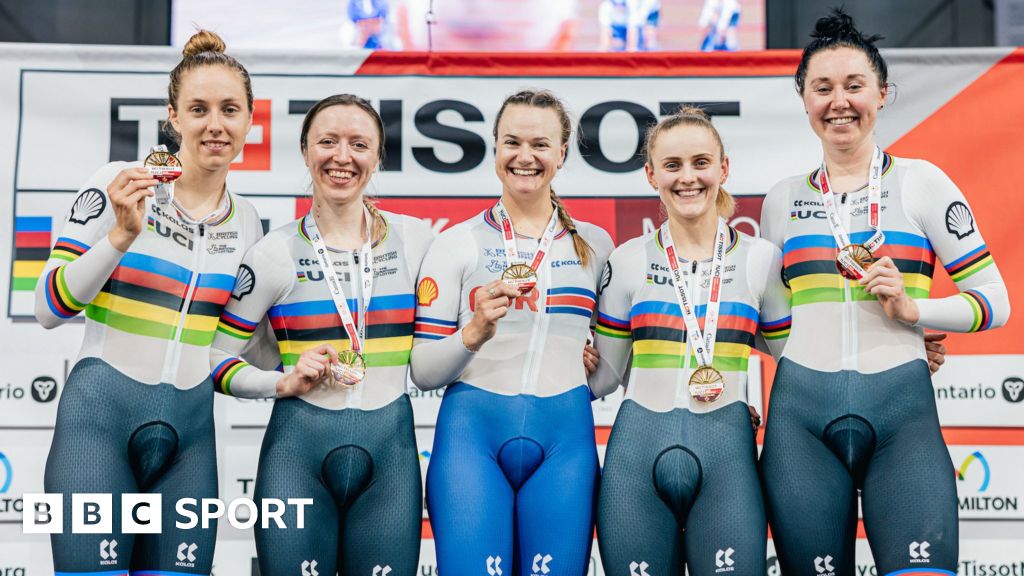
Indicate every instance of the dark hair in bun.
{"type": "Point", "coordinates": [837, 30]}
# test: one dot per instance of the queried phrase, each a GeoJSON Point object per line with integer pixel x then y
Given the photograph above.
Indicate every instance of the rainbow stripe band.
{"type": "Point", "coordinates": [969, 264]}
{"type": "Point", "coordinates": [571, 300]}
{"type": "Point", "coordinates": [68, 250]}
{"type": "Point", "coordinates": [778, 329]}
{"type": "Point", "coordinates": [922, 572]}
{"type": "Point", "coordinates": [145, 296]}
{"type": "Point", "coordinates": [59, 298]}
{"type": "Point", "coordinates": [236, 326]}
{"type": "Point", "coordinates": [225, 372]}
{"type": "Point", "coordinates": [981, 308]}
{"type": "Point", "coordinates": [810, 266]}
{"type": "Point", "coordinates": [659, 335]}
{"type": "Point", "coordinates": [300, 326]}
{"type": "Point", "coordinates": [31, 250]}
{"type": "Point", "coordinates": [101, 573]}
{"type": "Point", "coordinates": [612, 327]}
{"type": "Point", "coordinates": [433, 328]}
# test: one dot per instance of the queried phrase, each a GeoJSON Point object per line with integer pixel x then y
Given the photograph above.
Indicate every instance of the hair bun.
{"type": "Point", "coordinates": [203, 41]}
{"type": "Point", "coordinates": [837, 25]}
{"type": "Point", "coordinates": [694, 111]}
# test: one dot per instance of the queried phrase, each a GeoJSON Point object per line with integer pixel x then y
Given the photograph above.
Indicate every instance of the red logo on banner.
{"type": "Point", "coordinates": [256, 153]}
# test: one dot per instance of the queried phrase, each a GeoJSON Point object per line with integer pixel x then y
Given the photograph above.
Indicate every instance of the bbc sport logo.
{"type": "Point", "coordinates": [143, 513]}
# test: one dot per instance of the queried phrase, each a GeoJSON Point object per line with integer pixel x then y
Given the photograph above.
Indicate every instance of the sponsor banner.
{"type": "Point", "coordinates": [30, 390]}
{"type": "Point", "coordinates": [982, 391]}
{"type": "Point", "coordinates": [242, 413]}
{"type": "Point", "coordinates": [439, 128]}
{"type": "Point", "coordinates": [30, 557]}
{"type": "Point", "coordinates": [21, 470]}
{"type": "Point", "coordinates": [988, 481]}
{"type": "Point", "coordinates": [239, 464]}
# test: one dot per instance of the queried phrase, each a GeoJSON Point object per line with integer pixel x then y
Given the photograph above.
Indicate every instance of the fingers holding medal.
{"type": "Point", "coordinates": [165, 168]}
{"type": "Point", "coordinates": [520, 276]}
{"type": "Point", "coordinates": [311, 369]}
{"type": "Point", "coordinates": [853, 261]}
{"type": "Point", "coordinates": [350, 368]}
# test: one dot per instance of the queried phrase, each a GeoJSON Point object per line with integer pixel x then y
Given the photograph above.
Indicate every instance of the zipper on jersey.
{"type": "Point", "coordinates": [683, 376]}
{"type": "Point", "coordinates": [849, 308]}
{"type": "Point", "coordinates": [355, 393]}
{"type": "Point", "coordinates": [173, 355]}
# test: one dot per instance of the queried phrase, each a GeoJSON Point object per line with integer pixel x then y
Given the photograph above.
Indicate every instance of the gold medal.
{"type": "Point", "coordinates": [520, 276]}
{"type": "Point", "coordinates": [859, 254]}
{"type": "Point", "coordinates": [163, 166]}
{"type": "Point", "coordinates": [706, 384]}
{"type": "Point", "coordinates": [350, 369]}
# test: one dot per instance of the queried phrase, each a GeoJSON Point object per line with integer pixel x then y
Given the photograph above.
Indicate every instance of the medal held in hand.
{"type": "Point", "coordinates": [165, 167]}
{"type": "Point", "coordinates": [518, 273]}
{"type": "Point", "coordinates": [853, 260]}
{"type": "Point", "coordinates": [706, 383]}
{"type": "Point", "coordinates": [350, 369]}
{"type": "Point", "coordinates": [520, 276]}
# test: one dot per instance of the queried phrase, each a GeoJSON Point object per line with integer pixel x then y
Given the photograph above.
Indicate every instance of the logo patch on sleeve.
{"type": "Point", "coordinates": [426, 292]}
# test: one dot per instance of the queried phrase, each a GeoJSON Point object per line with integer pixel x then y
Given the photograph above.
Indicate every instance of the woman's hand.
{"type": "Point", "coordinates": [755, 418]}
{"type": "Point", "coordinates": [490, 304]}
{"type": "Point", "coordinates": [936, 351]}
{"type": "Point", "coordinates": [885, 282]}
{"type": "Point", "coordinates": [591, 357]}
{"type": "Point", "coordinates": [128, 192]}
{"type": "Point", "coordinates": [312, 368]}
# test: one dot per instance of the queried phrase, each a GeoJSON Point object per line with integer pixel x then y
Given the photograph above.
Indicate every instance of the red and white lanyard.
{"type": "Point", "coordinates": [509, 236]}
{"type": "Point", "coordinates": [702, 342]}
{"type": "Point", "coordinates": [363, 267]}
{"type": "Point", "coordinates": [828, 198]}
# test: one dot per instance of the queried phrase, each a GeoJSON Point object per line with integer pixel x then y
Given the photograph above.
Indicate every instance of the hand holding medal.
{"type": "Point", "coordinates": [885, 282]}
{"type": "Point", "coordinates": [165, 168]}
{"type": "Point", "coordinates": [490, 304]}
{"type": "Point", "coordinates": [311, 369]}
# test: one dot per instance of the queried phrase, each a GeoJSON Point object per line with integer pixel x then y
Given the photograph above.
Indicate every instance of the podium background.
{"type": "Point", "coordinates": [66, 110]}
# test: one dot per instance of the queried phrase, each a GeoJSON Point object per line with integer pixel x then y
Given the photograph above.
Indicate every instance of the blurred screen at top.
{"type": "Point", "coordinates": [478, 25]}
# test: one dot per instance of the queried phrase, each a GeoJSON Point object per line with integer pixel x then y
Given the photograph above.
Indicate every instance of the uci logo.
{"type": "Point", "coordinates": [805, 214]}
{"type": "Point", "coordinates": [44, 389]}
{"type": "Point", "coordinates": [179, 238]}
{"type": "Point", "coordinates": [1013, 389]}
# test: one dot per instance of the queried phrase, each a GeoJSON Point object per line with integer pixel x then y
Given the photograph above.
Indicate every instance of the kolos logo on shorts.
{"type": "Point", "coordinates": [143, 513]}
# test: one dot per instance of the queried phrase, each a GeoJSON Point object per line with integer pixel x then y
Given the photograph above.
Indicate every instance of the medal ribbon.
{"type": "Point", "coordinates": [874, 205]}
{"type": "Point", "coordinates": [356, 334]}
{"type": "Point", "coordinates": [702, 342]}
{"type": "Point", "coordinates": [509, 236]}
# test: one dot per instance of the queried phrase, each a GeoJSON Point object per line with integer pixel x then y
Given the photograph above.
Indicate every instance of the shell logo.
{"type": "Point", "coordinates": [426, 292]}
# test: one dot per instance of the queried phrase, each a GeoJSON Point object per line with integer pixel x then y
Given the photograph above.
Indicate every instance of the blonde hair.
{"type": "Point", "coordinates": [693, 116]}
{"type": "Point", "coordinates": [204, 48]}
{"type": "Point", "coordinates": [379, 224]}
{"type": "Point", "coordinates": [547, 100]}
